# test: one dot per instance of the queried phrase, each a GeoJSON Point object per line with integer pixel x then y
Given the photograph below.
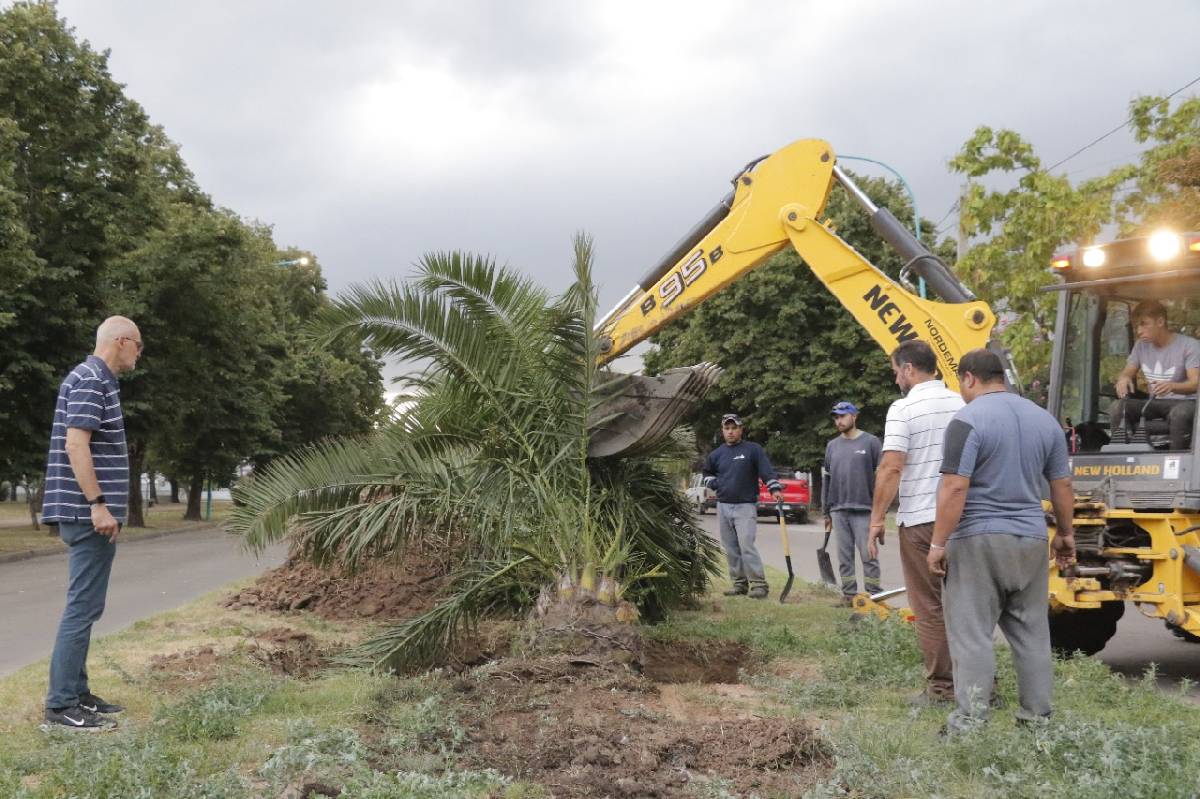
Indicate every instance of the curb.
{"type": "Point", "coordinates": [11, 557]}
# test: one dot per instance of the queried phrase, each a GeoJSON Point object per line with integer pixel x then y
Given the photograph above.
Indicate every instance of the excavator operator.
{"type": "Point", "coordinates": [1170, 362]}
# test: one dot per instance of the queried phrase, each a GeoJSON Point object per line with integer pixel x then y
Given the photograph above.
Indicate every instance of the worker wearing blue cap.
{"type": "Point", "coordinates": [848, 485]}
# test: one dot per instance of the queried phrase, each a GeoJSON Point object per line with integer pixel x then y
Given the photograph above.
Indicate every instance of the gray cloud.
{"type": "Point", "coordinates": [372, 132]}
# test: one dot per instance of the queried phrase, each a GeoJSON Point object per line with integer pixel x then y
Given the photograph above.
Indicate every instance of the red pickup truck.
{"type": "Point", "coordinates": [795, 497]}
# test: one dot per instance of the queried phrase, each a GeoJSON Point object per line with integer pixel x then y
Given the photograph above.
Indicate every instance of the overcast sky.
{"type": "Point", "coordinates": [372, 132]}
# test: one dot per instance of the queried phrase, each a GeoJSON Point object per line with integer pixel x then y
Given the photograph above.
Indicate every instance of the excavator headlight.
{"type": "Point", "coordinates": [1165, 245]}
{"type": "Point", "coordinates": [1094, 257]}
{"type": "Point", "coordinates": [1061, 262]}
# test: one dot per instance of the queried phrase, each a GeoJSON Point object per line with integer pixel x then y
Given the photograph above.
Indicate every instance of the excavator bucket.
{"type": "Point", "coordinates": [643, 411]}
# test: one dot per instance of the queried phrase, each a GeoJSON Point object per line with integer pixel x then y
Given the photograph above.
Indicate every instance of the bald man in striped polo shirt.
{"type": "Point", "coordinates": [87, 496]}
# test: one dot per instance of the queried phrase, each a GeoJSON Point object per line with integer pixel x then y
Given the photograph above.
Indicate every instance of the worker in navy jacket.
{"type": "Point", "coordinates": [733, 470]}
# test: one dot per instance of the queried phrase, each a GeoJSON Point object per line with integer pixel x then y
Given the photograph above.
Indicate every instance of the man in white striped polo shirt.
{"type": "Point", "coordinates": [911, 463]}
{"type": "Point", "coordinates": [87, 490]}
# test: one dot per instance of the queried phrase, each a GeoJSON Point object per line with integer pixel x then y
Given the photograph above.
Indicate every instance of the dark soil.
{"type": "Point", "coordinates": [287, 651]}
{"type": "Point", "coordinates": [591, 727]}
{"type": "Point", "coordinates": [281, 649]}
{"type": "Point", "coordinates": [385, 590]}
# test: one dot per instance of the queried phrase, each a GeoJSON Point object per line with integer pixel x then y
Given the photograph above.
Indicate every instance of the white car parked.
{"type": "Point", "coordinates": [703, 499]}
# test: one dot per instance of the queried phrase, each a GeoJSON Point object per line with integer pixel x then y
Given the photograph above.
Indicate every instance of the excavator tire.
{"type": "Point", "coordinates": [1084, 631]}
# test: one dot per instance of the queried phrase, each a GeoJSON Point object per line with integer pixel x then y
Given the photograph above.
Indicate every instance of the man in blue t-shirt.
{"type": "Point", "coordinates": [87, 489]}
{"type": "Point", "coordinates": [989, 538]}
{"type": "Point", "coordinates": [733, 471]}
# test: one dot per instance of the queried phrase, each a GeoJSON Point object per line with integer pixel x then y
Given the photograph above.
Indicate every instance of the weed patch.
{"type": "Point", "coordinates": [215, 713]}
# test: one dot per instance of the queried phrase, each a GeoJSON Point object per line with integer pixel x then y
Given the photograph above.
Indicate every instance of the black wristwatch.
{"type": "Point", "coordinates": [99, 500]}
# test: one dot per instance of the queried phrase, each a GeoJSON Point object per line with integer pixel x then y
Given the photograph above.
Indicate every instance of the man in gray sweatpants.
{"type": "Point", "coordinates": [734, 470]}
{"type": "Point", "coordinates": [989, 538]}
{"type": "Point", "coordinates": [848, 485]}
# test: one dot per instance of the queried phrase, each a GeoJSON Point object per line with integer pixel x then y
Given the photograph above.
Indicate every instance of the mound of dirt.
{"type": "Point", "coordinates": [386, 590]}
{"type": "Point", "coordinates": [587, 727]}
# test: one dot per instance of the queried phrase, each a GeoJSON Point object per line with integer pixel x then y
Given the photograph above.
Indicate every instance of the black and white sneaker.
{"type": "Point", "coordinates": [77, 718]}
{"type": "Point", "coordinates": [95, 704]}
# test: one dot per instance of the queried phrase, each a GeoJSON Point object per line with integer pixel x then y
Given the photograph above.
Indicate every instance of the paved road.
{"type": "Point", "coordinates": [148, 577]}
{"type": "Point", "coordinates": [1139, 641]}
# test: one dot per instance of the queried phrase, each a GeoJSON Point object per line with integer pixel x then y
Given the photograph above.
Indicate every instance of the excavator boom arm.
{"type": "Point", "coordinates": [777, 202]}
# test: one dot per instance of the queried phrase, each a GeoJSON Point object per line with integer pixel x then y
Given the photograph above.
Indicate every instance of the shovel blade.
{"type": "Point", "coordinates": [825, 564]}
{"type": "Point", "coordinates": [787, 587]}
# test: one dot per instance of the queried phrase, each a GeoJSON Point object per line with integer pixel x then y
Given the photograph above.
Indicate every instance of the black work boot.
{"type": "Point", "coordinates": [737, 590]}
{"type": "Point", "coordinates": [759, 592]}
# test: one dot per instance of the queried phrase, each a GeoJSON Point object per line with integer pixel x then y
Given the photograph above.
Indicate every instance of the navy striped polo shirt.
{"type": "Point", "coordinates": [88, 399]}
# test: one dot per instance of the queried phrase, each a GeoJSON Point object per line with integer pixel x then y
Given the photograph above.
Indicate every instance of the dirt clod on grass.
{"type": "Point", "coordinates": [282, 650]}
{"type": "Point", "coordinates": [287, 651]}
{"type": "Point", "coordinates": [386, 590]}
{"type": "Point", "coordinates": [590, 726]}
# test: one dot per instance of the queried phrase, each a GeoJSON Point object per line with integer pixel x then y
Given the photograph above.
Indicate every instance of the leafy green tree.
{"type": "Point", "coordinates": [83, 178]}
{"type": "Point", "coordinates": [788, 347]}
{"type": "Point", "coordinates": [334, 389]}
{"type": "Point", "coordinates": [204, 396]}
{"type": "Point", "coordinates": [491, 458]}
{"type": "Point", "coordinates": [1017, 231]}
{"type": "Point", "coordinates": [1165, 190]}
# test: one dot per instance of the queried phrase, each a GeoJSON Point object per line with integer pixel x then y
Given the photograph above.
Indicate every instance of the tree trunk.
{"type": "Point", "coordinates": [174, 490]}
{"type": "Point", "coordinates": [152, 487]}
{"type": "Point", "coordinates": [35, 492]}
{"type": "Point", "coordinates": [195, 492]}
{"type": "Point", "coordinates": [137, 457]}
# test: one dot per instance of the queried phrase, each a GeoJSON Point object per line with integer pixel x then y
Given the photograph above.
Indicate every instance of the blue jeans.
{"type": "Point", "coordinates": [89, 566]}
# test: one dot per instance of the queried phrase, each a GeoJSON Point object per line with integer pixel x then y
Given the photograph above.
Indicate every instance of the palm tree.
{"type": "Point", "coordinates": [489, 456]}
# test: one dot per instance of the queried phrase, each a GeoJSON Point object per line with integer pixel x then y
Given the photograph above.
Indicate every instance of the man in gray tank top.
{"type": "Point", "coordinates": [989, 538]}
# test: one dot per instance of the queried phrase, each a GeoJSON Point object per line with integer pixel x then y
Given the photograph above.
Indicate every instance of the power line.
{"type": "Point", "coordinates": [945, 216]}
{"type": "Point", "coordinates": [1118, 128]}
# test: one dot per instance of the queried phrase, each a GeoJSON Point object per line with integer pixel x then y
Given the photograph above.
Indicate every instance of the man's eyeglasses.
{"type": "Point", "coordinates": [138, 342]}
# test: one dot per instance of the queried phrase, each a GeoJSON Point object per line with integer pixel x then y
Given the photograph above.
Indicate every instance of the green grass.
{"type": "Point", "coordinates": [23, 538]}
{"type": "Point", "coordinates": [248, 733]}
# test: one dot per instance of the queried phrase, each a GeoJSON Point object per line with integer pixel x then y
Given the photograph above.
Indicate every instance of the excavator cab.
{"type": "Point", "coordinates": [1137, 509]}
{"type": "Point", "coordinates": [1128, 466]}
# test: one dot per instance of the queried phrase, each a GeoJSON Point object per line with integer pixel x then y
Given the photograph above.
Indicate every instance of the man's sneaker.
{"type": "Point", "coordinates": [759, 592]}
{"type": "Point", "coordinates": [97, 705]}
{"type": "Point", "coordinates": [76, 718]}
{"type": "Point", "coordinates": [737, 590]}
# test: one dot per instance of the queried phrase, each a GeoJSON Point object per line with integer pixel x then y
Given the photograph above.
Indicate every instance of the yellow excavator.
{"type": "Point", "coordinates": [1138, 504]}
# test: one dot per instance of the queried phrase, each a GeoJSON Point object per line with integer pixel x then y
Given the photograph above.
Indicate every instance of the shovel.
{"type": "Point", "coordinates": [825, 564]}
{"type": "Point", "coordinates": [787, 555]}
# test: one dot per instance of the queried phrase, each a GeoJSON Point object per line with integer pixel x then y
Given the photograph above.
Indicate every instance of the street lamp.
{"type": "Point", "coordinates": [912, 198]}
{"type": "Point", "coordinates": [301, 261]}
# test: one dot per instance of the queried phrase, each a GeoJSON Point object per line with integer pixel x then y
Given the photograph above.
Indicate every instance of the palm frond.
{"type": "Point", "coordinates": [421, 641]}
